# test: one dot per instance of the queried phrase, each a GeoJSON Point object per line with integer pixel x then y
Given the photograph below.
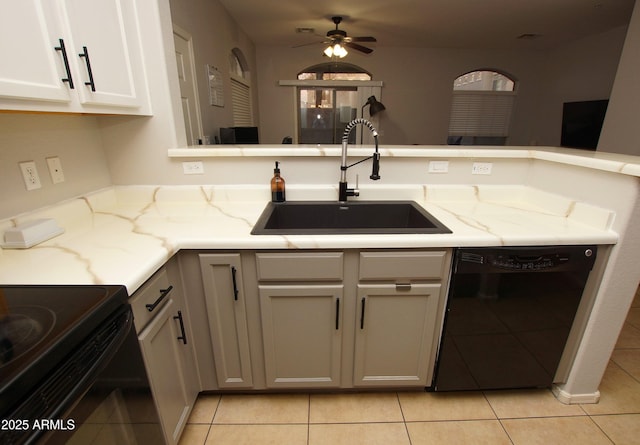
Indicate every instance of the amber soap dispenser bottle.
{"type": "Point", "coordinates": [277, 186]}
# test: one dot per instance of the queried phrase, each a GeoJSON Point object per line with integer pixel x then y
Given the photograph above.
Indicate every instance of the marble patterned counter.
{"type": "Point", "coordinates": [122, 235]}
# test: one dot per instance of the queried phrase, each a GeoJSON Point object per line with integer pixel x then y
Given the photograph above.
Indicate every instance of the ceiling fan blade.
{"type": "Point", "coordinates": [357, 47]}
{"type": "Point", "coordinates": [309, 44]}
{"type": "Point", "coordinates": [363, 39]}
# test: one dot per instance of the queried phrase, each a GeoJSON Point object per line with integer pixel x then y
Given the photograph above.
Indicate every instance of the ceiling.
{"type": "Point", "coordinates": [431, 23]}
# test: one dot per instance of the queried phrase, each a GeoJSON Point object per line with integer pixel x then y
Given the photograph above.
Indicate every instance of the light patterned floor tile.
{"type": "Point", "coordinates": [428, 406]}
{"type": "Point", "coordinates": [619, 393]}
{"type": "Point", "coordinates": [204, 409]}
{"type": "Point", "coordinates": [257, 435]}
{"type": "Point", "coordinates": [195, 434]}
{"type": "Point", "coordinates": [555, 430]}
{"type": "Point", "coordinates": [629, 360]}
{"type": "Point", "coordinates": [263, 408]}
{"type": "Point", "coordinates": [623, 429]}
{"type": "Point", "coordinates": [476, 432]}
{"type": "Point", "coordinates": [358, 433]}
{"type": "Point", "coordinates": [629, 337]}
{"type": "Point", "coordinates": [355, 408]}
{"type": "Point", "coordinates": [529, 403]}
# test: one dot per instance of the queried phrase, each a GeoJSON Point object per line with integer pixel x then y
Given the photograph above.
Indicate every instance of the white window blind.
{"type": "Point", "coordinates": [481, 113]}
{"type": "Point", "coordinates": [241, 100]}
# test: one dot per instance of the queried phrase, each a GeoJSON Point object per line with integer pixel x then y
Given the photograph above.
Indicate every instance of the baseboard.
{"type": "Point", "coordinates": [574, 399]}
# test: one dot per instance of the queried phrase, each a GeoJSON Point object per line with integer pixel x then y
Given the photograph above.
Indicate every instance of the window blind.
{"type": "Point", "coordinates": [241, 100]}
{"type": "Point", "coordinates": [481, 113]}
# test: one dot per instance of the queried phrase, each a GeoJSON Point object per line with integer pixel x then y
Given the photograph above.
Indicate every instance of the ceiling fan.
{"type": "Point", "coordinates": [337, 41]}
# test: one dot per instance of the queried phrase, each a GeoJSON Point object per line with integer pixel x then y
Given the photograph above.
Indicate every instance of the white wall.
{"type": "Point", "coordinates": [34, 137]}
{"type": "Point", "coordinates": [215, 34]}
{"type": "Point", "coordinates": [620, 129]}
{"type": "Point", "coordinates": [418, 82]}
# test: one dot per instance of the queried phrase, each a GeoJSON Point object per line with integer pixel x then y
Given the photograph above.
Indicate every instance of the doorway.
{"type": "Point", "coordinates": [188, 85]}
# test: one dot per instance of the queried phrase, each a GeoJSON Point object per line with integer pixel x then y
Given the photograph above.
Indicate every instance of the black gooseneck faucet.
{"type": "Point", "coordinates": [343, 190]}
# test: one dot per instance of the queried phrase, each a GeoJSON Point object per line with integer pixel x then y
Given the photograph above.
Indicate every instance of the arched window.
{"type": "Point", "coordinates": [481, 108]}
{"type": "Point", "coordinates": [240, 89]}
{"type": "Point", "coordinates": [334, 71]}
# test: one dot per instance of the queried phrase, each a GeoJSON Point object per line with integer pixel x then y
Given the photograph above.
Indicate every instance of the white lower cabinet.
{"type": "Point", "coordinates": [394, 334]}
{"type": "Point", "coordinates": [305, 319]}
{"type": "Point", "coordinates": [226, 311]}
{"type": "Point", "coordinates": [161, 354]}
{"type": "Point", "coordinates": [161, 320]}
{"type": "Point", "coordinates": [302, 335]}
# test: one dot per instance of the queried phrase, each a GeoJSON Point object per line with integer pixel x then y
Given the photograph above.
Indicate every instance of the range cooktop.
{"type": "Point", "coordinates": [40, 325]}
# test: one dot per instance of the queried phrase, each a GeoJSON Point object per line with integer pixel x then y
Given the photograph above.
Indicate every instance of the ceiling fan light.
{"type": "Point", "coordinates": [339, 50]}
{"type": "Point", "coordinates": [328, 51]}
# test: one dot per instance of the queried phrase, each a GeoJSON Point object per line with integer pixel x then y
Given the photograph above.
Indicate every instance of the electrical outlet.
{"type": "Point", "coordinates": [55, 169]}
{"type": "Point", "coordinates": [193, 168]}
{"type": "Point", "coordinates": [30, 175]}
{"type": "Point", "coordinates": [438, 166]}
{"type": "Point", "coordinates": [481, 168]}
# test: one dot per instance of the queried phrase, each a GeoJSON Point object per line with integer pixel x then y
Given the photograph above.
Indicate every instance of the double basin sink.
{"type": "Point", "coordinates": [356, 217]}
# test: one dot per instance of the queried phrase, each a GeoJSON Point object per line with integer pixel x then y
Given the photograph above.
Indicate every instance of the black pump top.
{"type": "Point", "coordinates": [277, 169]}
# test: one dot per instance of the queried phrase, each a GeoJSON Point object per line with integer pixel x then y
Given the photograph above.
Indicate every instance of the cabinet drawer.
{"type": "Point", "coordinates": [300, 266]}
{"type": "Point", "coordinates": [155, 290]}
{"type": "Point", "coordinates": [402, 265]}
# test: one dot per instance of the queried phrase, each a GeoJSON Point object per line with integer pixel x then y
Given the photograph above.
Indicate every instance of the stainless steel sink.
{"type": "Point", "coordinates": [334, 218]}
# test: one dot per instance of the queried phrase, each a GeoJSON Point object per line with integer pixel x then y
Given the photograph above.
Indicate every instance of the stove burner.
{"type": "Point", "coordinates": [23, 329]}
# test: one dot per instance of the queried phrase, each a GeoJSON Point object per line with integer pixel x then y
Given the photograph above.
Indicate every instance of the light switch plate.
{"type": "Point", "coordinates": [55, 169]}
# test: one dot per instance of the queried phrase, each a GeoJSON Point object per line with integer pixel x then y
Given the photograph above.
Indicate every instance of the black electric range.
{"type": "Point", "coordinates": [41, 325]}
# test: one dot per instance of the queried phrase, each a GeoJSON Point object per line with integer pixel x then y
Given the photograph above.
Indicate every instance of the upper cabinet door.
{"type": "Point", "coordinates": [80, 56]}
{"type": "Point", "coordinates": [106, 50]}
{"type": "Point", "coordinates": [30, 65]}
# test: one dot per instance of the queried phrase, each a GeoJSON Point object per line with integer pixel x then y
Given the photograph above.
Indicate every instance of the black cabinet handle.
{"type": "Point", "coordinates": [235, 284]}
{"type": "Point", "coordinates": [182, 337]}
{"type": "Point", "coordinates": [85, 54]}
{"type": "Point", "coordinates": [362, 313]}
{"type": "Point", "coordinates": [163, 293]}
{"type": "Point", "coordinates": [62, 49]}
{"type": "Point", "coordinates": [337, 314]}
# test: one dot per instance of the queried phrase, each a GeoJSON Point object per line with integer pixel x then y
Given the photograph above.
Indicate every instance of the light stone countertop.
{"type": "Point", "coordinates": [597, 160]}
{"type": "Point", "coordinates": [122, 235]}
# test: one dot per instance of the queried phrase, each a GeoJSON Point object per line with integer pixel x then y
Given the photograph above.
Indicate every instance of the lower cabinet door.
{"type": "Point", "coordinates": [162, 356]}
{"type": "Point", "coordinates": [395, 334]}
{"type": "Point", "coordinates": [302, 333]}
{"type": "Point", "coordinates": [226, 311]}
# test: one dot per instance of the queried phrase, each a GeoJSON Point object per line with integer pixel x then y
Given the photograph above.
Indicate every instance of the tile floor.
{"type": "Point", "coordinates": [520, 417]}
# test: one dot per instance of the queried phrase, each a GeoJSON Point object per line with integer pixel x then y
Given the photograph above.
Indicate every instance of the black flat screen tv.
{"type": "Point", "coordinates": [582, 122]}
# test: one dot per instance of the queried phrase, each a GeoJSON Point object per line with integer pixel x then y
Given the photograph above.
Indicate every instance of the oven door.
{"type": "Point", "coordinates": [99, 394]}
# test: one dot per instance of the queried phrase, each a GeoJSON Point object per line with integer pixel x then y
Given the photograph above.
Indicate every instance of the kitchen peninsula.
{"type": "Point", "coordinates": [541, 196]}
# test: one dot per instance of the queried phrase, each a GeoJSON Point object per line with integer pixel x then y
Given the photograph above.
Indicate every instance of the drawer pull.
{"type": "Point", "coordinates": [67, 79]}
{"type": "Point", "coordinates": [403, 286]}
{"type": "Point", "coordinates": [85, 54]}
{"type": "Point", "coordinates": [235, 284]}
{"type": "Point", "coordinates": [163, 293]}
{"type": "Point", "coordinates": [182, 337]}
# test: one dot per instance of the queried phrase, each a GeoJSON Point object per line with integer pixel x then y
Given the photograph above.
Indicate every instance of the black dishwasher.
{"type": "Point", "coordinates": [509, 313]}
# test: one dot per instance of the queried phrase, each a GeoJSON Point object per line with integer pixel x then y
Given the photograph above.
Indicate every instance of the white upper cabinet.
{"type": "Point", "coordinates": [31, 67]}
{"type": "Point", "coordinates": [72, 56]}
